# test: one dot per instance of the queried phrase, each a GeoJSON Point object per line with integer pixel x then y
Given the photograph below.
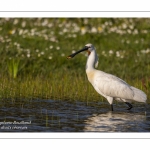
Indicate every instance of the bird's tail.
{"type": "Point", "coordinates": [139, 95]}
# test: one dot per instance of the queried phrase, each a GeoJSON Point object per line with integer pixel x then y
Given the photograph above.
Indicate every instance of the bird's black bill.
{"type": "Point", "coordinates": [72, 55]}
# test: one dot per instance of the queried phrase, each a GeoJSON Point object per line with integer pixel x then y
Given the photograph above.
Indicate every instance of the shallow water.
{"type": "Point", "coordinates": [65, 116]}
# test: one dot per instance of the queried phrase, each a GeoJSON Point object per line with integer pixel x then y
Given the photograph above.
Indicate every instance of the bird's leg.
{"type": "Point", "coordinates": [110, 100]}
{"type": "Point", "coordinates": [130, 106]}
{"type": "Point", "coordinates": [111, 107]}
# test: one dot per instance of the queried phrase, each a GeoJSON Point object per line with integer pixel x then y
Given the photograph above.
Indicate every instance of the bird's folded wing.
{"type": "Point", "coordinates": [113, 86]}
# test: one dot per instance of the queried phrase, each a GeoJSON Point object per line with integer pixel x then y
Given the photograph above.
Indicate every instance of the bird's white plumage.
{"type": "Point", "coordinates": [139, 95]}
{"type": "Point", "coordinates": [110, 86]}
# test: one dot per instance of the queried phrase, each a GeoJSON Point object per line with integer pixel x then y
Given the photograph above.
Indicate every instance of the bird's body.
{"type": "Point", "coordinates": [107, 85]}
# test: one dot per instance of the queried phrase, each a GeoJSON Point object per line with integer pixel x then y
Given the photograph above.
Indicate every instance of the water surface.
{"type": "Point", "coordinates": [66, 116]}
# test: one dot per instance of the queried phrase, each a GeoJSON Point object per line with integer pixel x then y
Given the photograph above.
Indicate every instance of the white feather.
{"type": "Point", "coordinates": [110, 86]}
{"type": "Point", "coordinates": [139, 95]}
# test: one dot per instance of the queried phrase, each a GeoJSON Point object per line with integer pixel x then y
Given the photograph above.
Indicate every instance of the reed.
{"type": "Point", "coordinates": [58, 87]}
{"type": "Point", "coordinates": [13, 67]}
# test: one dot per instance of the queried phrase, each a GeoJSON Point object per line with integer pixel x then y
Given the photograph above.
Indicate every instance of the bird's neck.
{"type": "Point", "coordinates": [91, 61]}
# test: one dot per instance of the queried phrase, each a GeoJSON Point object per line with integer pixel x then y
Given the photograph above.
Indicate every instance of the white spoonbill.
{"type": "Point", "coordinates": [107, 85]}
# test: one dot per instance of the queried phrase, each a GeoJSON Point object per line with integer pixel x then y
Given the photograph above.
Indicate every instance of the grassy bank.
{"type": "Point", "coordinates": [33, 55]}
{"type": "Point", "coordinates": [68, 86]}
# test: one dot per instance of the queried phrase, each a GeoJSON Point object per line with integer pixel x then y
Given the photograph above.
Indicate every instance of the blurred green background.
{"type": "Point", "coordinates": [42, 44]}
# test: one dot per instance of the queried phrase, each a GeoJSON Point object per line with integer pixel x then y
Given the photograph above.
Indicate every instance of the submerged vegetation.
{"type": "Point", "coordinates": [33, 53]}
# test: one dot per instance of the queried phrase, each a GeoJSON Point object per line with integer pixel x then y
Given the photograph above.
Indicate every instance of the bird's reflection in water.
{"type": "Point", "coordinates": [116, 122]}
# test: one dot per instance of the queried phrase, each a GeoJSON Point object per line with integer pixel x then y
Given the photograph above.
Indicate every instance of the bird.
{"type": "Point", "coordinates": [107, 85]}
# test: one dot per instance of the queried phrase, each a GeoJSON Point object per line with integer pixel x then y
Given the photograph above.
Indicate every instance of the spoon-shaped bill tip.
{"type": "Point", "coordinates": [72, 55]}
{"type": "Point", "coordinates": [69, 57]}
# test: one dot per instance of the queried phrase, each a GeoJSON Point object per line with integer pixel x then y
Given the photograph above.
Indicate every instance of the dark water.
{"type": "Point", "coordinates": [63, 116]}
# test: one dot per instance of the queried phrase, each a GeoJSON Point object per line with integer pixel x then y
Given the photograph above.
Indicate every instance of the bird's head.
{"type": "Point", "coordinates": [88, 47]}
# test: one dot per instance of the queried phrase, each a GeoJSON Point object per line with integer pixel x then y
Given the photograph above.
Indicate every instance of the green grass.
{"type": "Point", "coordinates": [13, 68]}
{"type": "Point", "coordinates": [33, 53]}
